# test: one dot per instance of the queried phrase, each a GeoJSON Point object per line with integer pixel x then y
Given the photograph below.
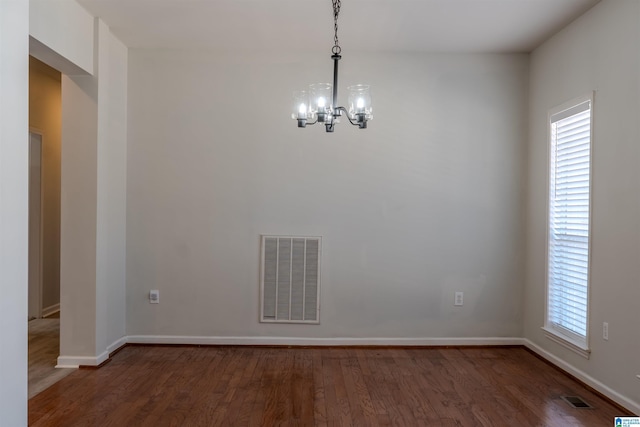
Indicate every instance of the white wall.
{"type": "Point", "coordinates": [93, 250]}
{"type": "Point", "coordinates": [61, 35]}
{"type": "Point", "coordinates": [111, 190]}
{"type": "Point", "coordinates": [425, 202]}
{"type": "Point", "coordinates": [14, 160]}
{"type": "Point", "coordinates": [78, 218]}
{"type": "Point", "coordinates": [93, 198]}
{"type": "Point", "coordinates": [597, 52]}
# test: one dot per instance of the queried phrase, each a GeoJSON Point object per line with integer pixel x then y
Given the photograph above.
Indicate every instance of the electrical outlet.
{"type": "Point", "coordinates": [638, 376]}
{"type": "Point", "coordinates": [605, 331]}
{"type": "Point", "coordinates": [459, 300]}
{"type": "Point", "coordinates": [154, 296]}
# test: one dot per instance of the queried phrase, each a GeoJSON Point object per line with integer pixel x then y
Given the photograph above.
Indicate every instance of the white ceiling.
{"type": "Point", "coordinates": [365, 25]}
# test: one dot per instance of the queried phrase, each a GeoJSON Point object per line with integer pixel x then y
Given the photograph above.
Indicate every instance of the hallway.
{"type": "Point", "coordinates": [44, 345]}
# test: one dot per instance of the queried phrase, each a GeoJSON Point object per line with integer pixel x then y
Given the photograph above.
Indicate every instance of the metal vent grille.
{"type": "Point", "coordinates": [290, 279]}
{"type": "Point", "coordinates": [576, 402]}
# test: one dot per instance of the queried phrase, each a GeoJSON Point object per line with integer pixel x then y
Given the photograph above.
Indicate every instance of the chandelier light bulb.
{"type": "Point", "coordinates": [359, 105]}
{"type": "Point", "coordinates": [300, 109]}
{"type": "Point", "coordinates": [322, 100]}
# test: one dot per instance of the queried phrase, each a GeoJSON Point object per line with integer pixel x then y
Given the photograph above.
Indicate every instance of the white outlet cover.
{"type": "Point", "coordinates": [154, 296]}
{"type": "Point", "coordinates": [459, 299]}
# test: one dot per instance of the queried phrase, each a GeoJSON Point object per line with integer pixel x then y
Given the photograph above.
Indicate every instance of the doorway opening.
{"type": "Point", "coordinates": [45, 134]}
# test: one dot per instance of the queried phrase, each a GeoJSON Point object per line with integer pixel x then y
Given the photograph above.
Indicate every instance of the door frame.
{"type": "Point", "coordinates": [36, 299]}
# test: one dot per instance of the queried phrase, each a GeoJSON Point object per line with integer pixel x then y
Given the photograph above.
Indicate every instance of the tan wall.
{"type": "Point", "coordinates": [45, 117]}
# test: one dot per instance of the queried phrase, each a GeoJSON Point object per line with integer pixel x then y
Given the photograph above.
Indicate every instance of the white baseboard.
{"type": "Point", "coordinates": [585, 378]}
{"type": "Point", "coordinates": [77, 361]}
{"type": "Point", "coordinates": [116, 344]}
{"type": "Point", "coordinates": [52, 309]}
{"type": "Point", "coordinates": [300, 341]}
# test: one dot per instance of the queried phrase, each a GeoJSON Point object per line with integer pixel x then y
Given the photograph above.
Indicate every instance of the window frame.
{"type": "Point", "coordinates": [559, 335]}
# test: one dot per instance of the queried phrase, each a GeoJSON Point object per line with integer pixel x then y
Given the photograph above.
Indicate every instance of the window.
{"type": "Point", "coordinates": [568, 227]}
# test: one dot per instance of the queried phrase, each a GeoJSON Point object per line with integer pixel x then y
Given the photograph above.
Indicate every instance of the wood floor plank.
{"type": "Point", "coordinates": [254, 386]}
{"type": "Point", "coordinates": [360, 406]}
{"type": "Point", "coordinates": [249, 388]}
{"type": "Point", "coordinates": [319, 401]}
{"type": "Point", "coordinates": [346, 417]}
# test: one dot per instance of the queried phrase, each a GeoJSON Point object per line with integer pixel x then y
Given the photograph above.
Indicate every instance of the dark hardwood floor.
{"type": "Point", "coordinates": [237, 386]}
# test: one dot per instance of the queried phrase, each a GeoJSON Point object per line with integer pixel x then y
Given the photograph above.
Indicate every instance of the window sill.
{"type": "Point", "coordinates": [576, 347]}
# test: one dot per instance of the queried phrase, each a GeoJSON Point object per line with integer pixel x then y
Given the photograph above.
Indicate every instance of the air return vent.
{"type": "Point", "coordinates": [290, 279]}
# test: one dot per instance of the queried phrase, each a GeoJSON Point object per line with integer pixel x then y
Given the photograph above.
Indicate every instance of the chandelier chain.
{"type": "Point", "coordinates": [336, 11]}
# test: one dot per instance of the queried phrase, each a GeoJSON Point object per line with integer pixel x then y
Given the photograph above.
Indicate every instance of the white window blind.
{"type": "Point", "coordinates": [290, 279]}
{"type": "Point", "coordinates": [569, 198]}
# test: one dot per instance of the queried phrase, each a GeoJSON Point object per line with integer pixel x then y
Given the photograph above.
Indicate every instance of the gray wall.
{"type": "Point", "coordinates": [597, 52]}
{"type": "Point", "coordinates": [426, 202]}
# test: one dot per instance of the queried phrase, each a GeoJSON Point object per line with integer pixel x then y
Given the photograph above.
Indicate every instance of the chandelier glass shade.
{"type": "Point", "coordinates": [318, 104]}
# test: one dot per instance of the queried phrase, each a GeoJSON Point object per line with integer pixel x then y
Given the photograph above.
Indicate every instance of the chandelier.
{"type": "Point", "coordinates": [319, 103]}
